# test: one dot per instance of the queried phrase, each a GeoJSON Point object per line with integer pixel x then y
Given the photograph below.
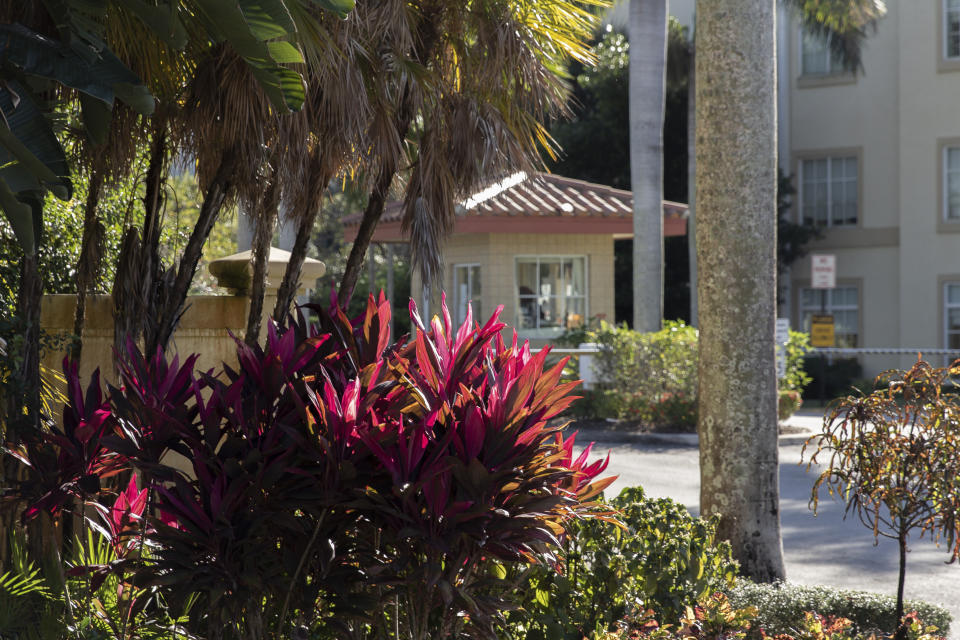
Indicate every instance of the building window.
{"type": "Point", "coordinates": [829, 191]}
{"type": "Point", "coordinates": [816, 56]}
{"type": "Point", "coordinates": [551, 293]}
{"type": "Point", "coordinates": [951, 183]}
{"type": "Point", "coordinates": [842, 303]}
{"type": "Point", "coordinates": [951, 315]}
{"type": "Point", "coordinates": [466, 290]}
{"type": "Point", "coordinates": [951, 29]}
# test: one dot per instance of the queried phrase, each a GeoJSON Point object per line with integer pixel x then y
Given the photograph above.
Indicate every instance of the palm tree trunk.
{"type": "Point", "coordinates": [648, 55]}
{"type": "Point", "coordinates": [371, 216]}
{"type": "Point", "coordinates": [318, 180]}
{"type": "Point", "coordinates": [91, 254]}
{"type": "Point", "coordinates": [168, 312]}
{"type": "Point", "coordinates": [23, 395]}
{"type": "Point", "coordinates": [139, 261]}
{"type": "Point", "coordinates": [266, 222]}
{"type": "Point", "coordinates": [691, 192]}
{"type": "Point", "coordinates": [381, 188]}
{"type": "Point", "coordinates": [736, 246]}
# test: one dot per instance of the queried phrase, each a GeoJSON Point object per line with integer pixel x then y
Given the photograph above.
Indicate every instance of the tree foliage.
{"type": "Point", "coordinates": [892, 458]}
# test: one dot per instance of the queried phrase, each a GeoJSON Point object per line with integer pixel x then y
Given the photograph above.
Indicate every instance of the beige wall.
{"type": "Point", "coordinates": [203, 330]}
{"type": "Point", "coordinates": [496, 254]}
{"type": "Point", "coordinates": [896, 115]}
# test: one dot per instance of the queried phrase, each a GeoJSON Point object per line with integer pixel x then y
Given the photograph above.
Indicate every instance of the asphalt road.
{"type": "Point", "coordinates": [822, 549]}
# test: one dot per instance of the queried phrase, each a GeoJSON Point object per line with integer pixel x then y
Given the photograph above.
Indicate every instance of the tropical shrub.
{"type": "Point", "coordinates": [780, 606]}
{"type": "Point", "coordinates": [893, 457]}
{"type": "Point", "coordinates": [334, 483]}
{"type": "Point", "coordinates": [655, 374]}
{"type": "Point", "coordinates": [652, 377]}
{"type": "Point", "coordinates": [661, 558]}
{"type": "Point", "coordinates": [788, 401]}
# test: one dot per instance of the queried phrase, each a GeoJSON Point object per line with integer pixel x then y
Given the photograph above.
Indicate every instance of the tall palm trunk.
{"type": "Point", "coordinates": [368, 224]}
{"type": "Point", "coordinates": [139, 262]}
{"type": "Point", "coordinates": [317, 184]}
{"type": "Point", "coordinates": [266, 222]}
{"type": "Point", "coordinates": [173, 295]}
{"type": "Point", "coordinates": [91, 254]}
{"type": "Point", "coordinates": [736, 246]}
{"type": "Point", "coordinates": [648, 55]}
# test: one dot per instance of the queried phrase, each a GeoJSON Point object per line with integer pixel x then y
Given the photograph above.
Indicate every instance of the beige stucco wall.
{"type": "Point", "coordinates": [203, 330]}
{"type": "Point", "coordinates": [929, 98]}
{"type": "Point", "coordinates": [496, 254]}
{"type": "Point", "coordinates": [895, 116]}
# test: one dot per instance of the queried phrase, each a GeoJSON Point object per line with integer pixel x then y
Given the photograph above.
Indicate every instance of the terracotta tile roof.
{"type": "Point", "coordinates": [541, 195]}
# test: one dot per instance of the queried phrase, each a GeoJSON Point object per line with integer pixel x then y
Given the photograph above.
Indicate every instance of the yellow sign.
{"type": "Point", "coordinates": [821, 331]}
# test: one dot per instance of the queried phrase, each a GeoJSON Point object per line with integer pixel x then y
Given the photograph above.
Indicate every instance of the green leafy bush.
{"type": "Point", "coordinates": [663, 559]}
{"type": "Point", "coordinates": [781, 606]}
{"type": "Point", "coordinates": [652, 377]}
{"type": "Point", "coordinates": [654, 374]}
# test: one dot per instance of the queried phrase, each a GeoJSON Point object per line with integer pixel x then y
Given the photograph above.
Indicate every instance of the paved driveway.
{"type": "Point", "coordinates": [822, 549]}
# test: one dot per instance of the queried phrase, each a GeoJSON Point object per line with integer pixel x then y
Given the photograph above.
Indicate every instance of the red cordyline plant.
{"type": "Point", "coordinates": [339, 483]}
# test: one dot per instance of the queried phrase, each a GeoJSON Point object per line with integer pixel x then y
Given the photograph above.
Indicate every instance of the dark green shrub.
{"type": "Point", "coordinates": [664, 559]}
{"type": "Point", "coordinates": [781, 607]}
{"type": "Point", "coordinates": [838, 375]}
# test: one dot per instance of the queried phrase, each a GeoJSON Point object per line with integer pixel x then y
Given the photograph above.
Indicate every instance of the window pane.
{"type": "Point", "coordinates": [951, 27]}
{"type": "Point", "coordinates": [526, 277]}
{"type": "Point", "coordinates": [549, 313]}
{"type": "Point", "coordinates": [528, 313]}
{"type": "Point", "coordinates": [953, 294]}
{"type": "Point", "coordinates": [549, 279]}
{"type": "Point", "coordinates": [574, 313]}
{"type": "Point", "coordinates": [953, 158]}
{"type": "Point", "coordinates": [475, 282]}
{"type": "Point", "coordinates": [953, 320]}
{"type": "Point", "coordinates": [953, 195]}
{"type": "Point", "coordinates": [814, 56]}
{"type": "Point", "coordinates": [575, 277]}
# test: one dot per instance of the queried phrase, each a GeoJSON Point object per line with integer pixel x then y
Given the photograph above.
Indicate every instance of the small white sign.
{"type": "Point", "coordinates": [823, 271]}
{"type": "Point", "coordinates": [782, 337]}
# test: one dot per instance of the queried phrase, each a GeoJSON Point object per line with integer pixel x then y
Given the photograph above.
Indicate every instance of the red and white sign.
{"type": "Point", "coordinates": [823, 271]}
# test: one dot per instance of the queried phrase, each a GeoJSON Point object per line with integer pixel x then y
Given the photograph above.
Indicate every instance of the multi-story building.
{"type": "Point", "coordinates": [875, 159]}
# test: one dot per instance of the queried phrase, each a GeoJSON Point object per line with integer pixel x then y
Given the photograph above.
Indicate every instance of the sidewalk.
{"type": "Point", "coordinates": [795, 430]}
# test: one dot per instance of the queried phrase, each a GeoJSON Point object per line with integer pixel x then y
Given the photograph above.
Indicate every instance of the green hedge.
{"type": "Point", "coordinates": [781, 606]}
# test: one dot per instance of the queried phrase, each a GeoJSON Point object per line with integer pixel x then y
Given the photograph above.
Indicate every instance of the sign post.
{"type": "Point", "coordinates": [823, 276]}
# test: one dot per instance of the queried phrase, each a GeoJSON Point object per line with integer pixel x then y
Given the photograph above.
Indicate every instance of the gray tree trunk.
{"type": "Point", "coordinates": [691, 191]}
{"type": "Point", "coordinates": [648, 55]}
{"type": "Point", "coordinates": [736, 246]}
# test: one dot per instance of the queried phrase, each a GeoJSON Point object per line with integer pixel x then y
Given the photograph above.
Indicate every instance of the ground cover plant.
{"type": "Point", "coordinates": [781, 606]}
{"type": "Point", "coordinates": [893, 457]}
{"type": "Point", "coordinates": [415, 472]}
{"type": "Point", "coordinates": [719, 618]}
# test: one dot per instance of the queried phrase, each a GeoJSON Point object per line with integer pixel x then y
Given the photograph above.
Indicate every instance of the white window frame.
{"type": "Point", "coordinates": [947, 306]}
{"type": "Point", "coordinates": [830, 224]}
{"type": "Point", "coordinates": [831, 309]}
{"type": "Point", "coordinates": [945, 30]}
{"type": "Point", "coordinates": [548, 331]}
{"type": "Point", "coordinates": [834, 66]}
{"type": "Point", "coordinates": [460, 306]}
{"type": "Point", "coordinates": [947, 172]}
